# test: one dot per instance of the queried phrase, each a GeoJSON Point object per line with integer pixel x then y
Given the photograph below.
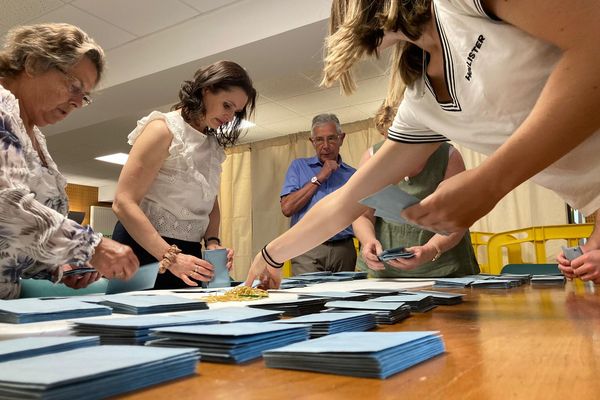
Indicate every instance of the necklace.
{"type": "Point", "coordinates": [407, 179]}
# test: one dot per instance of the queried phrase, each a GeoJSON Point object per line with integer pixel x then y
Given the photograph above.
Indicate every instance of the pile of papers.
{"type": "Point", "coordinates": [239, 314]}
{"type": "Point", "coordinates": [311, 279]}
{"type": "Point", "coordinates": [22, 311]}
{"type": "Point", "coordinates": [440, 298]}
{"type": "Point", "coordinates": [289, 283]}
{"type": "Point", "coordinates": [94, 372]}
{"type": "Point", "coordinates": [385, 313]}
{"type": "Point", "coordinates": [547, 280]}
{"type": "Point", "coordinates": [294, 308]}
{"type": "Point", "coordinates": [362, 354]}
{"type": "Point", "coordinates": [377, 292]}
{"type": "Point", "coordinates": [230, 343]}
{"type": "Point", "coordinates": [335, 295]}
{"type": "Point", "coordinates": [352, 274]}
{"type": "Point", "coordinates": [453, 282]}
{"type": "Point", "coordinates": [133, 330]}
{"type": "Point", "coordinates": [15, 349]}
{"type": "Point", "coordinates": [418, 302]}
{"type": "Point", "coordinates": [334, 322]}
{"type": "Point", "coordinates": [150, 304]}
{"type": "Point", "coordinates": [494, 283]}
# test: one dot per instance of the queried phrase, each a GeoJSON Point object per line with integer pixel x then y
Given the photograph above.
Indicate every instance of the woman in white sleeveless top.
{"type": "Point", "coordinates": [516, 80]}
{"type": "Point", "coordinates": [166, 198]}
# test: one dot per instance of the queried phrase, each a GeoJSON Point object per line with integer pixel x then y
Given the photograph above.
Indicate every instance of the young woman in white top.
{"type": "Point", "coordinates": [166, 198]}
{"type": "Point", "coordinates": [516, 80]}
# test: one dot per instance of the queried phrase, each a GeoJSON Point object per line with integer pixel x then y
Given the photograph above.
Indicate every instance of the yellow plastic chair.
{"type": "Point", "coordinates": [479, 242]}
{"type": "Point", "coordinates": [286, 270]}
{"type": "Point", "coordinates": [538, 236]}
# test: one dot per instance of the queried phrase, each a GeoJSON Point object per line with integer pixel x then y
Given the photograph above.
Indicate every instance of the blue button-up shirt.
{"type": "Point", "coordinates": [299, 174]}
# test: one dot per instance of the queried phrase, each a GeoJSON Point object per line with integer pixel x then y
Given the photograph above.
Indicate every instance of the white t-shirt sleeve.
{"type": "Point", "coordinates": [469, 7]}
{"type": "Point", "coordinates": [407, 129]}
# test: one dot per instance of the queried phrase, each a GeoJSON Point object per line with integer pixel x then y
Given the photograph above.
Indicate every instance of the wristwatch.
{"type": "Point", "coordinates": [315, 181]}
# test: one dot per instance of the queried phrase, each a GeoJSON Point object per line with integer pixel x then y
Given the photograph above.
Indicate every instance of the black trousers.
{"type": "Point", "coordinates": [166, 280]}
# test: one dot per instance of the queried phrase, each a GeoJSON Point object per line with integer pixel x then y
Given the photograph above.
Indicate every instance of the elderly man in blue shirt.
{"type": "Point", "coordinates": [307, 181]}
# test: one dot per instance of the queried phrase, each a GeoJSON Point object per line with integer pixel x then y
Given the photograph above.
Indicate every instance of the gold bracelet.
{"type": "Point", "coordinates": [168, 258]}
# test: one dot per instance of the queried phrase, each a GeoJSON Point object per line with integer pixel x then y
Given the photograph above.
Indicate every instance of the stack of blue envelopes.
{"type": "Point", "coordinates": [377, 292]}
{"type": "Point", "coordinates": [14, 349]}
{"type": "Point", "coordinates": [352, 274]}
{"type": "Point", "coordinates": [524, 278]}
{"type": "Point", "coordinates": [494, 283]}
{"type": "Point", "coordinates": [150, 304]}
{"type": "Point", "coordinates": [453, 283]}
{"type": "Point", "coordinates": [289, 283]}
{"type": "Point", "coordinates": [440, 298]}
{"type": "Point", "coordinates": [94, 372]}
{"type": "Point", "coordinates": [133, 330]}
{"type": "Point", "coordinates": [334, 296]}
{"type": "Point", "coordinates": [230, 343]}
{"type": "Point", "coordinates": [385, 313]}
{"type": "Point", "coordinates": [418, 302]}
{"type": "Point", "coordinates": [239, 314]}
{"type": "Point", "coordinates": [547, 280]}
{"type": "Point", "coordinates": [294, 308]}
{"type": "Point", "coordinates": [362, 354]}
{"type": "Point", "coordinates": [312, 279]}
{"type": "Point", "coordinates": [392, 254]}
{"type": "Point", "coordinates": [20, 311]}
{"type": "Point", "coordinates": [334, 322]}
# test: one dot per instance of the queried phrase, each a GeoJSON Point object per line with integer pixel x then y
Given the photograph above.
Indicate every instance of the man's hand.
{"type": "Point", "coordinates": [329, 167]}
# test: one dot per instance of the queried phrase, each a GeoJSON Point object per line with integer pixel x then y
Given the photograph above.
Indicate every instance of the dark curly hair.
{"type": "Point", "coordinates": [222, 75]}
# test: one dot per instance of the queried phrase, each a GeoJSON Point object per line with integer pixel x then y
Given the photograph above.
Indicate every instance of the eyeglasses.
{"type": "Point", "coordinates": [76, 89]}
{"type": "Point", "coordinates": [321, 140]}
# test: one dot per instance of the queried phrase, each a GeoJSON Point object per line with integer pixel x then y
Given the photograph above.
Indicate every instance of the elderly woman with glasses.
{"type": "Point", "coordinates": [46, 72]}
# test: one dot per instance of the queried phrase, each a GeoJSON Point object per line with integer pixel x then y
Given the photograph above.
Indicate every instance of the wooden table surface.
{"type": "Point", "coordinates": [522, 343]}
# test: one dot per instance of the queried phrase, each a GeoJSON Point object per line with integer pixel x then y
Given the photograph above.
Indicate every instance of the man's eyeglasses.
{"type": "Point", "coordinates": [76, 89]}
{"type": "Point", "coordinates": [321, 140]}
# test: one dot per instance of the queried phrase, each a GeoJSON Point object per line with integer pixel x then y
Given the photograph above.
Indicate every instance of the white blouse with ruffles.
{"type": "Point", "coordinates": [183, 194]}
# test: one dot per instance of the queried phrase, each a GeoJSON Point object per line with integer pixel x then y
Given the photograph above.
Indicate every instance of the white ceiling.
{"type": "Point", "coordinates": [153, 45]}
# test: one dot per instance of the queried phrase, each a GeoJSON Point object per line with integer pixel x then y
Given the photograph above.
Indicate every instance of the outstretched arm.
{"type": "Point", "coordinates": [339, 209]}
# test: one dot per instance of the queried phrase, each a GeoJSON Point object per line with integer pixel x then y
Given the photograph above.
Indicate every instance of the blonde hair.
{"type": "Point", "coordinates": [39, 48]}
{"type": "Point", "coordinates": [356, 28]}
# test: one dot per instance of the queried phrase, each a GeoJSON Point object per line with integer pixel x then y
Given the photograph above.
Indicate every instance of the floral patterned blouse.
{"type": "Point", "coordinates": [35, 235]}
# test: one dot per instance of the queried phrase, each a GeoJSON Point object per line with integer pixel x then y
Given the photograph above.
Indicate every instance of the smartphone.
{"type": "Point", "coordinates": [572, 253]}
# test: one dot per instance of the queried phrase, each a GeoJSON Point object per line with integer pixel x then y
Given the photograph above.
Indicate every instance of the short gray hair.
{"type": "Point", "coordinates": [39, 48]}
{"type": "Point", "coordinates": [326, 119]}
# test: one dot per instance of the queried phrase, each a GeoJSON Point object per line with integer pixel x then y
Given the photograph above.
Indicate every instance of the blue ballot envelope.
{"type": "Point", "coordinates": [218, 259]}
{"type": "Point", "coordinates": [143, 279]}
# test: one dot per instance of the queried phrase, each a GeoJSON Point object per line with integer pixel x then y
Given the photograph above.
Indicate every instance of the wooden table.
{"type": "Point", "coordinates": [523, 343]}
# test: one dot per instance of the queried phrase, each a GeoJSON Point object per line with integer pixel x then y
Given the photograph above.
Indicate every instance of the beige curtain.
{"type": "Point", "coordinates": [253, 175]}
{"type": "Point", "coordinates": [235, 202]}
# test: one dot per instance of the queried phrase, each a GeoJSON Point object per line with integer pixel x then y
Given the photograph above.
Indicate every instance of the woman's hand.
{"type": "Point", "coordinates": [114, 260]}
{"type": "Point", "coordinates": [186, 266]}
{"type": "Point", "coordinates": [456, 204]}
{"type": "Point", "coordinates": [270, 278]}
{"type": "Point", "coordinates": [79, 281]}
{"type": "Point", "coordinates": [422, 255]}
{"type": "Point", "coordinates": [369, 251]}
